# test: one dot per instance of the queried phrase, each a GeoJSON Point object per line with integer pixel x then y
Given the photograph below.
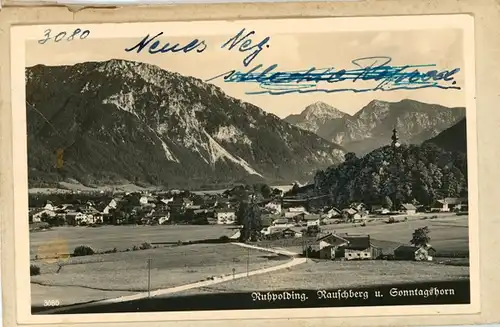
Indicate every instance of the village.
{"type": "Point", "coordinates": [282, 217]}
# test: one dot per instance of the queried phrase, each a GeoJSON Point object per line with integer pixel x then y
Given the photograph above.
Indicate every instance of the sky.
{"type": "Point", "coordinates": [443, 47]}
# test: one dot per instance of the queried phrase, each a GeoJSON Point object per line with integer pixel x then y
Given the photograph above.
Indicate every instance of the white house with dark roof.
{"type": "Point", "coordinates": [408, 208]}
{"type": "Point", "coordinates": [225, 216]}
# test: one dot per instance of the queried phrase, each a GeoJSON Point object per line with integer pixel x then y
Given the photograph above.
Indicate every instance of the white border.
{"type": "Point", "coordinates": [20, 34]}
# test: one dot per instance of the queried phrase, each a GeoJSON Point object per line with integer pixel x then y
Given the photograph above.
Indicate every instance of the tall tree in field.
{"type": "Point", "coordinates": [420, 236]}
{"type": "Point", "coordinates": [250, 217]}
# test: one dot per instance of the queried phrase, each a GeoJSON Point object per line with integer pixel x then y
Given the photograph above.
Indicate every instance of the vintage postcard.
{"type": "Point", "coordinates": [318, 167]}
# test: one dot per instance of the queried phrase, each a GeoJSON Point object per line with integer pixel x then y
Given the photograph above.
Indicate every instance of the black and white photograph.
{"type": "Point", "coordinates": [279, 164]}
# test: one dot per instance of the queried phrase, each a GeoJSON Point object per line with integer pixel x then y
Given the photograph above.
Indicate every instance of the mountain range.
{"type": "Point", "coordinates": [371, 127]}
{"type": "Point", "coordinates": [117, 121]}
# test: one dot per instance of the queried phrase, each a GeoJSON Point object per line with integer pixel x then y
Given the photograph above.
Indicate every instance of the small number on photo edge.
{"type": "Point", "coordinates": [51, 303]}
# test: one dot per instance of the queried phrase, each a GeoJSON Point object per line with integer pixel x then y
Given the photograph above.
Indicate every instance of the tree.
{"type": "Point", "coordinates": [250, 217]}
{"type": "Point", "coordinates": [420, 236]}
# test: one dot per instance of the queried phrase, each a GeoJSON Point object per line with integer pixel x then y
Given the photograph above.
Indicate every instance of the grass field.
{"type": "Point", "coordinates": [341, 274]}
{"type": "Point", "coordinates": [127, 271]}
{"type": "Point", "coordinates": [120, 237]}
{"type": "Point", "coordinates": [448, 233]}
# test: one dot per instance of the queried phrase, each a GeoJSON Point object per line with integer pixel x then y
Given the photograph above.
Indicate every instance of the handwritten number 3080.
{"type": "Point", "coordinates": [61, 36]}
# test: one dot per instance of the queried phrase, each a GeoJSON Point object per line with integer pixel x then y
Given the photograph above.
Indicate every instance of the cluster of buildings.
{"type": "Point", "coordinates": [148, 209]}
{"type": "Point", "coordinates": [278, 213]}
{"type": "Point", "coordinates": [360, 247]}
{"type": "Point", "coordinates": [289, 215]}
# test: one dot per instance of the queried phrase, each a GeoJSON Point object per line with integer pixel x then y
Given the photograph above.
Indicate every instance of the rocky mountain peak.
{"type": "Point", "coordinates": [121, 120]}
{"type": "Point", "coordinates": [321, 111]}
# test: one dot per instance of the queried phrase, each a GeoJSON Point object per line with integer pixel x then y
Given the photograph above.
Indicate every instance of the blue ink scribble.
{"type": "Point", "coordinates": [198, 45]}
{"type": "Point", "coordinates": [246, 45]}
{"type": "Point", "coordinates": [371, 69]}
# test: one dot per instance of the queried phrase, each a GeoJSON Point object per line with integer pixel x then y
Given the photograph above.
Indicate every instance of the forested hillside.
{"type": "Point", "coordinates": [409, 173]}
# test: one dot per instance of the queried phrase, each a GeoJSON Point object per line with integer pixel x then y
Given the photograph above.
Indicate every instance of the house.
{"type": "Point", "coordinates": [180, 204]}
{"type": "Point", "coordinates": [333, 213]}
{"type": "Point", "coordinates": [312, 220]}
{"type": "Point", "coordinates": [347, 247]}
{"type": "Point", "coordinates": [36, 215]}
{"type": "Point", "coordinates": [329, 244]}
{"type": "Point", "coordinates": [49, 206]}
{"type": "Point", "coordinates": [416, 253]}
{"type": "Point", "coordinates": [408, 208]}
{"type": "Point", "coordinates": [161, 216]}
{"type": "Point", "coordinates": [379, 209]}
{"type": "Point", "coordinates": [359, 207]}
{"type": "Point", "coordinates": [274, 206]}
{"type": "Point", "coordinates": [147, 200]}
{"type": "Point", "coordinates": [298, 209]}
{"type": "Point", "coordinates": [360, 247]}
{"type": "Point", "coordinates": [74, 218]}
{"type": "Point", "coordinates": [282, 222]}
{"type": "Point", "coordinates": [293, 214]}
{"type": "Point", "coordinates": [290, 233]}
{"type": "Point", "coordinates": [225, 216]}
{"type": "Point", "coordinates": [449, 204]}
{"type": "Point", "coordinates": [113, 204]}
{"type": "Point", "coordinates": [351, 213]}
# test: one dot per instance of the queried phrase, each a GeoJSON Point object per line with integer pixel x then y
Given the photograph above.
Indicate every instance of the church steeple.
{"type": "Point", "coordinates": [395, 138]}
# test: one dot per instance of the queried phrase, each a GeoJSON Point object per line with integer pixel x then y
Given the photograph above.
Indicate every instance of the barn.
{"type": "Point", "coordinates": [415, 253]}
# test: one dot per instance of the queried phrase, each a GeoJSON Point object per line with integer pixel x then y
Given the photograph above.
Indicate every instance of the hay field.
{"type": "Point", "coordinates": [341, 274]}
{"type": "Point", "coordinates": [127, 271]}
{"type": "Point", "coordinates": [120, 237]}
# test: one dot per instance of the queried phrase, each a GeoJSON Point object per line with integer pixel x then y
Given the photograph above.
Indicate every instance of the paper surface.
{"type": "Point", "coordinates": [92, 104]}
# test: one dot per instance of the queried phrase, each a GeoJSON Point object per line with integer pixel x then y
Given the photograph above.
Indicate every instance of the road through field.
{"type": "Point", "coordinates": [294, 262]}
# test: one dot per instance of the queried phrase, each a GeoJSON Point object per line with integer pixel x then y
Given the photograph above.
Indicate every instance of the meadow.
{"type": "Point", "coordinates": [100, 276]}
{"type": "Point", "coordinates": [318, 274]}
{"type": "Point", "coordinates": [104, 238]}
{"type": "Point", "coordinates": [449, 234]}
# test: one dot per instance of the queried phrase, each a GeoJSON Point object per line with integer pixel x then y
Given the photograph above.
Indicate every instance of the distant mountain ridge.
{"type": "Point", "coordinates": [371, 127]}
{"type": "Point", "coordinates": [121, 121]}
{"type": "Point", "coordinates": [315, 116]}
{"type": "Point", "coordinates": [453, 138]}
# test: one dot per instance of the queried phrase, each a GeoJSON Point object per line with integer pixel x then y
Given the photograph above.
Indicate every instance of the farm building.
{"type": "Point", "coordinates": [333, 213]}
{"type": "Point", "coordinates": [449, 204]}
{"type": "Point", "coordinates": [417, 253]}
{"type": "Point", "coordinates": [351, 213]}
{"type": "Point", "coordinates": [408, 208]}
{"type": "Point", "coordinates": [312, 220]}
{"type": "Point", "coordinates": [347, 247]}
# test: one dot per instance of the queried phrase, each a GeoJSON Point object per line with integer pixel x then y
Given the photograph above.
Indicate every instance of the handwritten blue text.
{"type": "Point", "coordinates": [154, 48]}
{"type": "Point", "coordinates": [370, 69]}
{"type": "Point", "coordinates": [247, 45]}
